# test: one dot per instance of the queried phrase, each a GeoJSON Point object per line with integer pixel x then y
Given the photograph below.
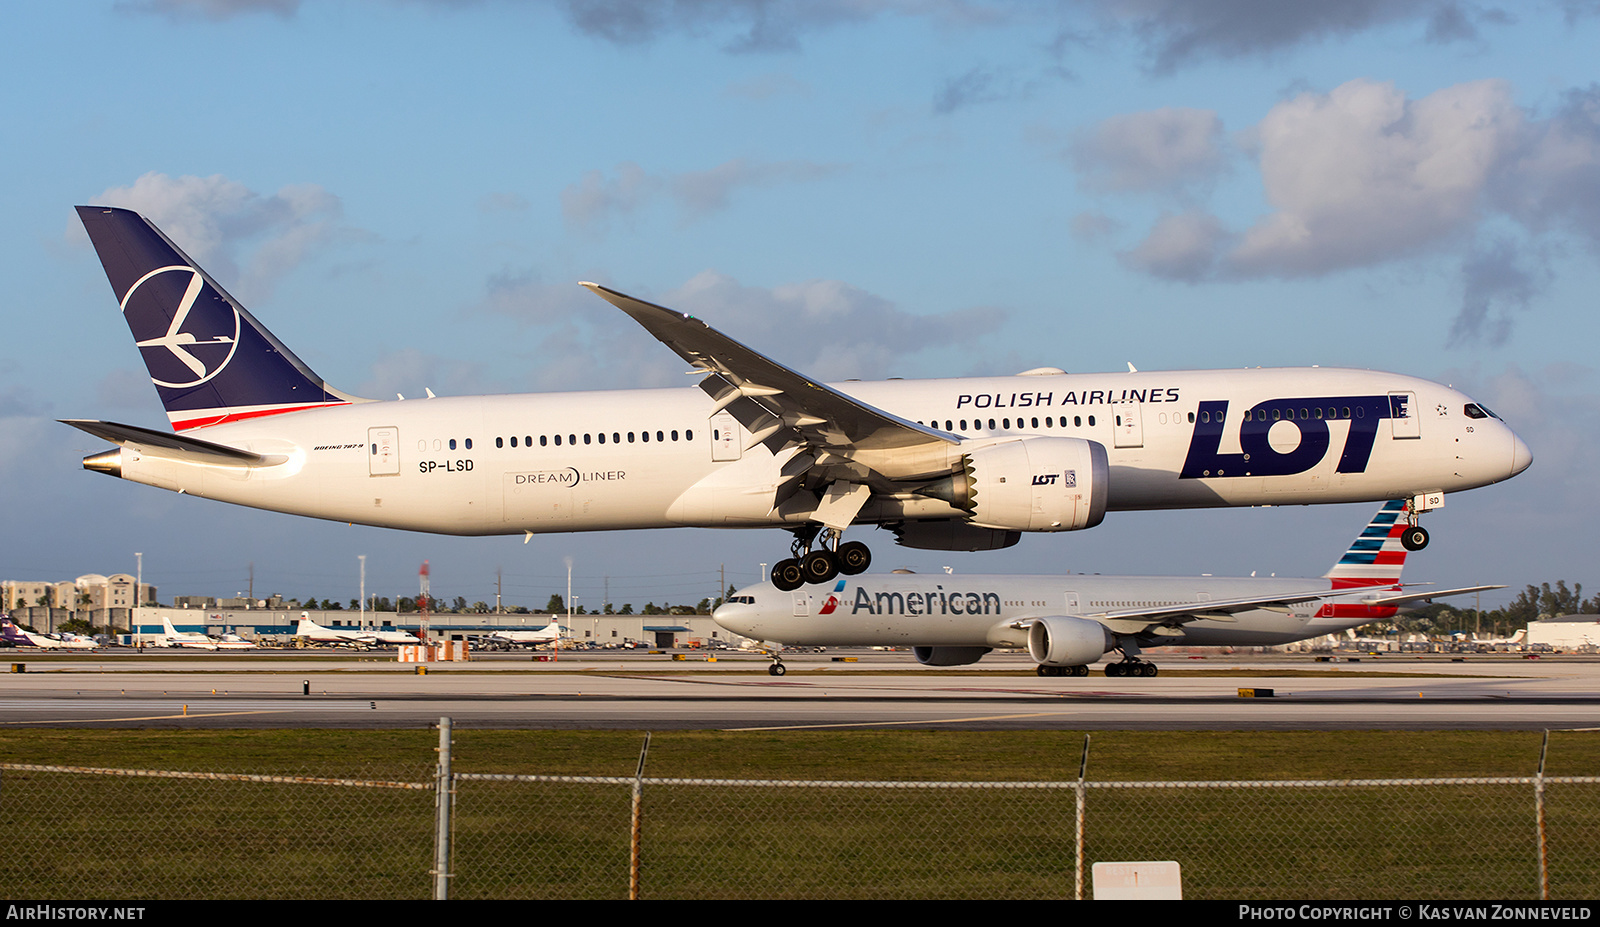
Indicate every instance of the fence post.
{"type": "Point", "coordinates": [637, 816]}
{"type": "Point", "coordinates": [443, 798]}
{"type": "Point", "coordinates": [1538, 814]}
{"type": "Point", "coordinates": [1083, 766]}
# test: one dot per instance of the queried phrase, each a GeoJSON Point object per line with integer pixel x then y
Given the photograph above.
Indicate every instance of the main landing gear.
{"type": "Point", "coordinates": [819, 565]}
{"type": "Point", "coordinates": [1130, 664]}
{"type": "Point", "coordinates": [1063, 670]}
{"type": "Point", "coordinates": [1133, 667]}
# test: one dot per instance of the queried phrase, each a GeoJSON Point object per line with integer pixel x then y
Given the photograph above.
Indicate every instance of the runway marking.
{"type": "Point", "coordinates": [805, 727]}
{"type": "Point", "coordinates": [214, 714]}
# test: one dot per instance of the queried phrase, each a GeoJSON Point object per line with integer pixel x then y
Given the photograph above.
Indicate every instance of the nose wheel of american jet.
{"type": "Point", "coordinates": [776, 669]}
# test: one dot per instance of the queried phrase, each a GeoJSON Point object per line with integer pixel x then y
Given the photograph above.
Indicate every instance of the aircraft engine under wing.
{"type": "Point", "coordinates": [1067, 641]}
{"type": "Point", "coordinates": [1030, 484]}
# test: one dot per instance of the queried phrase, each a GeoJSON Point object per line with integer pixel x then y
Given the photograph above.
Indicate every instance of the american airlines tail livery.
{"type": "Point", "coordinates": [1069, 622]}
{"type": "Point", "coordinates": [948, 464]}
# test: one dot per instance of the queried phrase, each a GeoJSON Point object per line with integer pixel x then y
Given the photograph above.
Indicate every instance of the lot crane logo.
{"type": "Point", "coordinates": [181, 347]}
{"type": "Point", "coordinates": [832, 601]}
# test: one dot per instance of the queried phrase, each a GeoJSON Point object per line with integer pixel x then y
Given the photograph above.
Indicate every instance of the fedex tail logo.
{"type": "Point", "coordinates": [1309, 417]}
{"type": "Point", "coordinates": [832, 600]}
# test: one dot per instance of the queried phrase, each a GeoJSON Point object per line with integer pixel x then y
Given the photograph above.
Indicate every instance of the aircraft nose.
{"type": "Point", "coordinates": [1521, 457]}
{"type": "Point", "coordinates": [733, 616]}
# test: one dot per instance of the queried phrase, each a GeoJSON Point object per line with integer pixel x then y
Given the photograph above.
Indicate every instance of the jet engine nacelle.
{"type": "Point", "coordinates": [949, 656]}
{"type": "Point", "coordinates": [1062, 641]}
{"type": "Point", "coordinates": [1038, 484]}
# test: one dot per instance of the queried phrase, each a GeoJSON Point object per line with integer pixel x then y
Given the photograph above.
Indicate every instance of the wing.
{"type": "Point", "coordinates": [779, 407]}
{"type": "Point", "coordinates": [1135, 620]}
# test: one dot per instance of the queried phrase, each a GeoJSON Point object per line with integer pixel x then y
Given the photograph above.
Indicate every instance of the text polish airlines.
{"type": "Point", "coordinates": [946, 464]}
{"type": "Point", "coordinates": [1069, 622]}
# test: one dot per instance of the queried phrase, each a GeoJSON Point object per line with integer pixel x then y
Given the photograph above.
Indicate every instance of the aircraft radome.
{"type": "Point", "coordinates": [945, 464]}
{"type": "Point", "coordinates": [1069, 622]}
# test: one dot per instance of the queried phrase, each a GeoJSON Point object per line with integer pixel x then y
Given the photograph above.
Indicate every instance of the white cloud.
{"type": "Point", "coordinates": [825, 328]}
{"type": "Point", "coordinates": [1159, 150]}
{"type": "Point", "coordinates": [214, 219]}
{"type": "Point", "coordinates": [1363, 175]}
{"type": "Point", "coordinates": [1181, 247]}
{"type": "Point", "coordinates": [595, 201]}
{"type": "Point", "coordinates": [212, 10]}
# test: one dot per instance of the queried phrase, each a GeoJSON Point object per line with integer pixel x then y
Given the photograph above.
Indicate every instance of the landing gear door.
{"type": "Point", "coordinates": [383, 451]}
{"type": "Point", "coordinates": [1403, 416]}
{"type": "Point", "coordinates": [725, 443]}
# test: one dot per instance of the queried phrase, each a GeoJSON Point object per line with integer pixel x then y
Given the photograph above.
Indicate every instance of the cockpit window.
{"type": "Point", "coordinates": [1473, 410]}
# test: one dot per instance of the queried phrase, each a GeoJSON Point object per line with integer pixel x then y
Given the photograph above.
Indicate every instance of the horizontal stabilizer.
{"type": "Point", "coordinates": [173, 446]}
{"type": "Point", "coordinates": [1423, 596]}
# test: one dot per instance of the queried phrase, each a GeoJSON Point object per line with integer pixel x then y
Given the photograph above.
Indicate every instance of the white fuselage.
{"type": "Point", "coordinates": [922, 610]}
{"type": "Point", "coordinates": [591, 461]}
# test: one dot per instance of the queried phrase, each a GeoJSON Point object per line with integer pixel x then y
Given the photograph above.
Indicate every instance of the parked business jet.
{"type": "Point", "coordinates": [363, 637]}
{"type": "Point", "coordinates": [189, 640]}
{"type": "Point", "coordinates": [532, 637]}
{"type": "Point", "coordinates": [1070, 622]}
{"type": "Point", "coordinates": [949, 464]}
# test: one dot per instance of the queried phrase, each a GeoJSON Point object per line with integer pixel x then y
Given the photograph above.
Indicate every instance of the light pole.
{"type": "Point", "coordinates": [138, 581]}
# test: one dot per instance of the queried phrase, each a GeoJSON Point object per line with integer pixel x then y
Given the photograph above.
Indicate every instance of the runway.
{"type": "Point", "coordinates": [602, 690]}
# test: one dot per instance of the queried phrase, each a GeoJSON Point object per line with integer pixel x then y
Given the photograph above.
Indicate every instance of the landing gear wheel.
{"type": "Point", "coordinates": [776, 669]}
{"type": "Point", "coordinates": [1043, 670]}
{"type": "Point", "coordinates": [1080, 671]}
{"type": "Point", "coordinates": [786, 575]}
{"type": "Point", "coordinates": [1414, 538]}
{"type": "Point", "coordinates": [1113, 669]}
{"type": "Point", "coordinates": [1147, 669]}
{"type": "Point", "coordinates": [819, 566]}
{"type": "Point", "coordinates": [853, 557]}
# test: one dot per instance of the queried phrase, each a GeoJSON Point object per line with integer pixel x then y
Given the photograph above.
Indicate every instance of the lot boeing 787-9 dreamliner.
{"type": "Point", "coordinates": [946, 464]}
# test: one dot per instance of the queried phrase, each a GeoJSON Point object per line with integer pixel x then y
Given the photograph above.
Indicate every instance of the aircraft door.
{"type": "Point", "coordinates": [1403, 416]}
{"type": "Point", "coordinates": [383, 451]}
{"type": "Point", "coordinates": [1072, 603]}
{"type": "Point", "coordinates": [1129, 424]}
{"type": "Point", "coordinates": [724, 437]}
{"type": "Point", "coordinates": [802, 604]}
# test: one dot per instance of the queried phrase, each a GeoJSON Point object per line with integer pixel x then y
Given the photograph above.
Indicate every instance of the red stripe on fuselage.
{"type": "Point", "coordinates": [254, 413]}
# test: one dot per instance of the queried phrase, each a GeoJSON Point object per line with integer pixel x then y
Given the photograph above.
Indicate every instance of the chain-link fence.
{"type": "Point", "coordinates": [96, 833]}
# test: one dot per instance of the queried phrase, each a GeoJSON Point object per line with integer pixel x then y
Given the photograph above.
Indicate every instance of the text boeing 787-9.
{"type": "Point", "coordinates": [947, 464]}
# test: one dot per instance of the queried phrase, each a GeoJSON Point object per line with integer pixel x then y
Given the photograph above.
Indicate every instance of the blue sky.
{"type": "Point", "coordinates": [407, 191]}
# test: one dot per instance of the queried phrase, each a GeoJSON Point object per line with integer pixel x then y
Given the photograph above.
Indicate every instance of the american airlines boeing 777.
{"type": "Point", "coordinates": [1069, 622]}
{"type": "Point", "coordinates": [946, 464]}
